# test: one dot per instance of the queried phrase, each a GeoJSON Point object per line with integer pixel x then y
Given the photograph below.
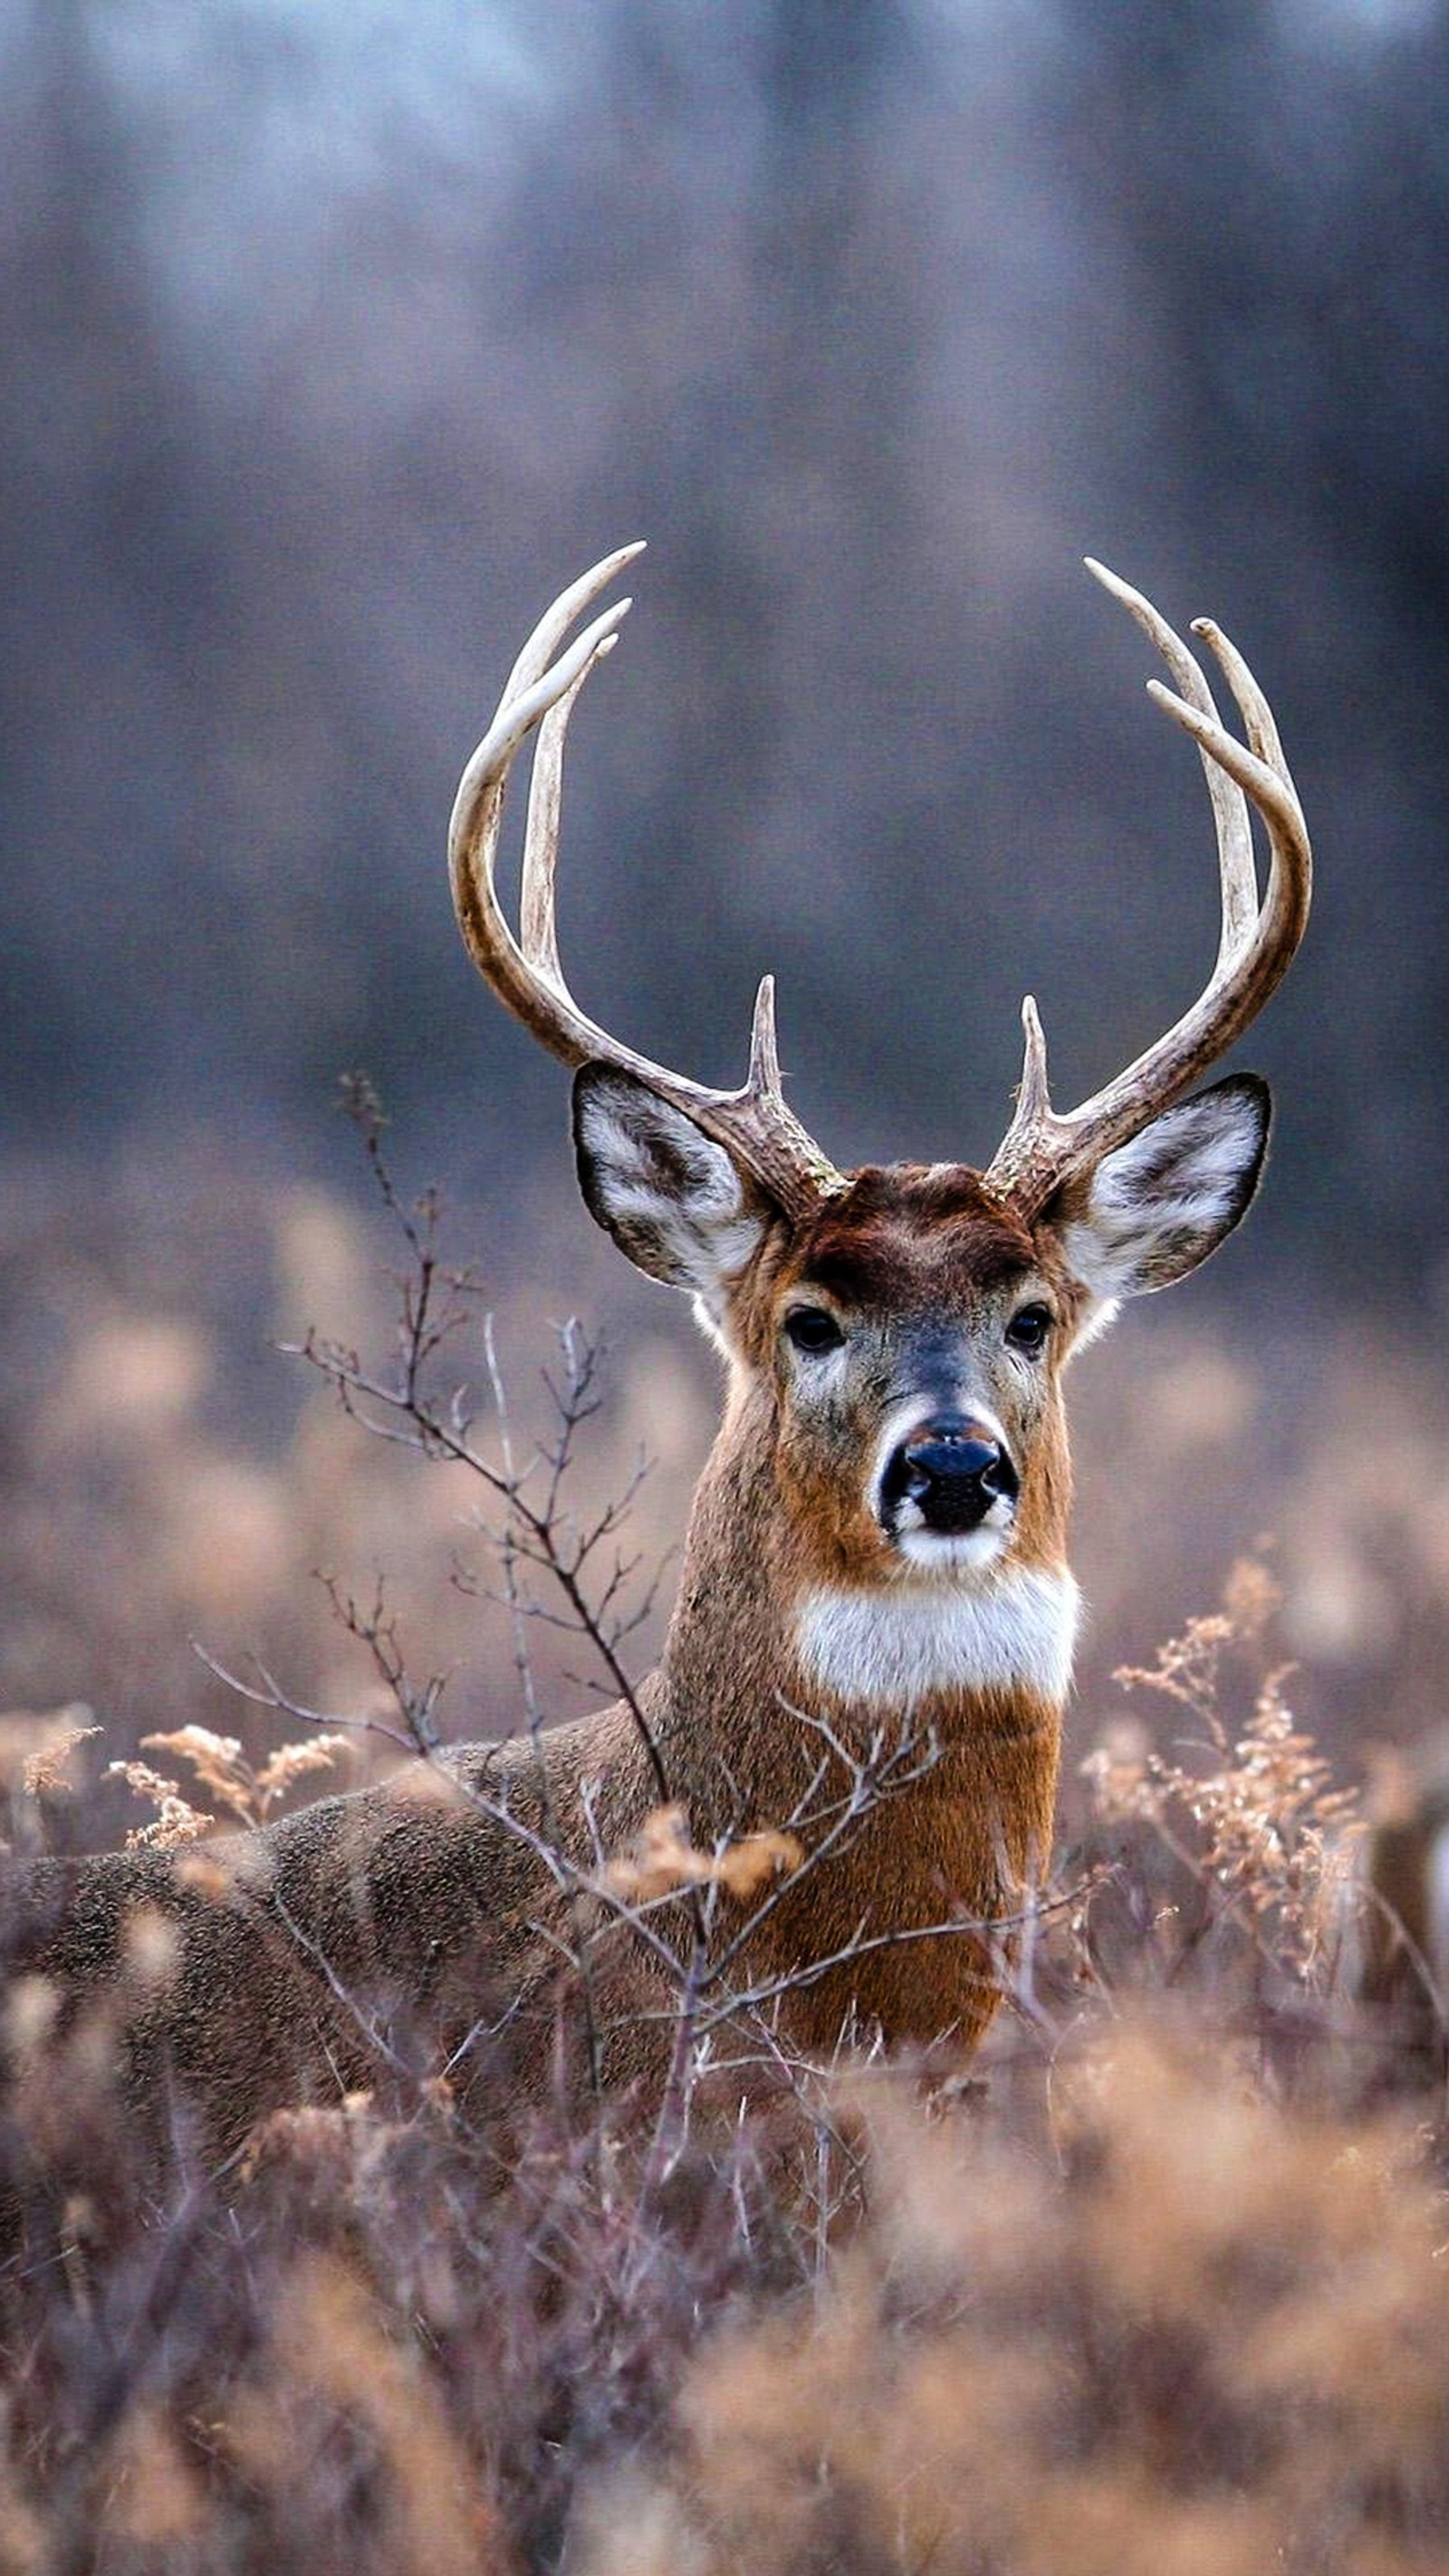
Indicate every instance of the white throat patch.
{"type": "Point", "coordinates": [893, 1646]}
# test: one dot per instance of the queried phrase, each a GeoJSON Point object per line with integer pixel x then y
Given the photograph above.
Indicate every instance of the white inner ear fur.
{"type": "Point", "coordinates": [670, 1195]}
{"type": "Point", "coordinates": [1159, 1205]}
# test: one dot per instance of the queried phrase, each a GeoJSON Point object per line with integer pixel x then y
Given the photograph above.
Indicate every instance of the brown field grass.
{"type": "Point", "coordinates": [1162, 2288]}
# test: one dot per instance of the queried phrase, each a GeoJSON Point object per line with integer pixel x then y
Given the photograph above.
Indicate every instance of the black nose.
{"type": "Point", "coordinates": [952, 1470]}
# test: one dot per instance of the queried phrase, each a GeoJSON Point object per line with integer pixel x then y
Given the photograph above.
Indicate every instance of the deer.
{"type": "Point", "coordinates": [877, 1549]}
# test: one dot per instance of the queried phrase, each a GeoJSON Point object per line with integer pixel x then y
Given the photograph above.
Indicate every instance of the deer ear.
{"type": "Point", "coordinates": [1158, 1206]}
{"type": "Point", "coordinates": [672, 1198]}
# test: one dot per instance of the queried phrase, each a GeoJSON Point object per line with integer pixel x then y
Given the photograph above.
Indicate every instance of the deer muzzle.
{"type": "Point", "coordinates": [948, 1476]}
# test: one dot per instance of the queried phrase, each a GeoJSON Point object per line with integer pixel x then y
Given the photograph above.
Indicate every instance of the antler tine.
{"type": "Point", "coordinates": [556, 620]}
{"type": "Point", "coordinates": [537, 924]}
{"type": "Point", "coordinates": [1041, 1150]}
{"type": "Point", "coordinates": [754, 1123]}
{"type": "Point", "coordinates": [1256, 713]}
{"type": "Point", "coordinates": [1237, 875]}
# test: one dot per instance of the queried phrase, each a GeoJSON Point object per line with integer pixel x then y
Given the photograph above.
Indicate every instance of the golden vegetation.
{"type": "Point", "coordinates": [662, 1859]}
{"type": "Point", "coordinates": [1162, 2289]}
{"type": "Point", "coordinates": [1165, 2289]}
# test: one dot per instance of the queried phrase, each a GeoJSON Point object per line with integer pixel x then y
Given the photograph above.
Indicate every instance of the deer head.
{"type": "Point", "coordinates": [897, 1335]}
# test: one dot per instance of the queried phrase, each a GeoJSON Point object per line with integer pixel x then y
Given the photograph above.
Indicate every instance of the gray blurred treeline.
{"type": "Point", "coordinates": [334, 338]}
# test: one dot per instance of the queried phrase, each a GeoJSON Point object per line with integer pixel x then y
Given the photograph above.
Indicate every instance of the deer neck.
{"type": "Point", "coordinates": [763, 1639]}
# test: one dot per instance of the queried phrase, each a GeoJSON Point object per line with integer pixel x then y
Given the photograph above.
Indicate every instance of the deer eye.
{"type": "Point", "coordinates": [810, 1328]}
{"type": "Point", "coordinates": [1028, 1330]}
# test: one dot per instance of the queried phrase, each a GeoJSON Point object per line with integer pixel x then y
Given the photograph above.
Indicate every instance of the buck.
{"type": "Point", "coordinates": [878, 1541]}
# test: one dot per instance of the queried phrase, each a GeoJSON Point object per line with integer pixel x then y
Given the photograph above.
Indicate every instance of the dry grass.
{"type": "Point", "coordinates": [1164, 2288]}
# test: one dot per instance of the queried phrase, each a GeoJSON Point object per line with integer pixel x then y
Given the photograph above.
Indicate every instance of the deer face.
{"type": "Point", "coordinates": [914, 1337]}
{"type": "Point", "coordinates": [902, 1347]}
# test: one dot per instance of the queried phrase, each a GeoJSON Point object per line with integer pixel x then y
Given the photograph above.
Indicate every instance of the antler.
{"type": "Point", "coordinates": [1041, 1150]}
{"type": "Point", "coordinates": [754, 1124]}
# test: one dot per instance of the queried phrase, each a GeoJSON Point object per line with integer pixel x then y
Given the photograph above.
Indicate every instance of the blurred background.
{"type": "Point", "coordinates": [333, 341]}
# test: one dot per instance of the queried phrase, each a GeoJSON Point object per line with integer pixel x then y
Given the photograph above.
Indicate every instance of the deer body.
{"type": "Point", "coordinates": [405, 1892]}
{"type": "Point", "coordinates": [877, 1553]}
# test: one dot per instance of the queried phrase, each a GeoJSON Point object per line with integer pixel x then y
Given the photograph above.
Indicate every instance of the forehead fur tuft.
{"type": "Point", "coordinates": [895, 1215]}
